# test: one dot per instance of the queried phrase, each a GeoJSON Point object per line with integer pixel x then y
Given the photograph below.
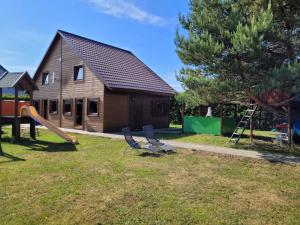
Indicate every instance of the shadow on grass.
{"type": "Point", "coordinates": [262, 144]}
{"type": "Point", "coordinates": [266, 144]}
{"type": "Point", "coordinates": [169, 136]}
{"type": "Point", "coordinates": [46, 146]}
{"type": "Point", "coordinates": [282, 159]}
{"type": "Point", "coordinates": [10, 158]}
{"type": "Point", "coordinates": [148, 154]}
{"type": "Point", "coordinates": [156, 155]}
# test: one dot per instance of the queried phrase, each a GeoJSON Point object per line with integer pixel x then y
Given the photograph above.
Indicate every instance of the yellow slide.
{"type": "Point", "coordinates": [30, 111]}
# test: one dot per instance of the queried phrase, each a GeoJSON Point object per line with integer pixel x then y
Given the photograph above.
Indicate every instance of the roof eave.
{"type": "Point", "coordinates": [169, 94]}
{"type": "Point", "coordinates": [26, 74]}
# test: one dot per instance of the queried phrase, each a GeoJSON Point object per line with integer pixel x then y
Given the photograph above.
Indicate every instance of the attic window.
{"type": "Point", "coordinates": [78, 73]}
{"type": "Point", "coordinates": [45, 79]}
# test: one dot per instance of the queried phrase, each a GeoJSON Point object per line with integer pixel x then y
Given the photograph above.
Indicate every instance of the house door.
{"type": "Point", "coordinates": [79, 112]}
{"type": "Point", "coordinates": [135, 112]}
{"type": "Point", "coordinates": [45, 109]}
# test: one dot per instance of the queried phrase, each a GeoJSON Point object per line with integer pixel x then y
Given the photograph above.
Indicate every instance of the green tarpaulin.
{"type": "Point", "coordinates": [208, 125]}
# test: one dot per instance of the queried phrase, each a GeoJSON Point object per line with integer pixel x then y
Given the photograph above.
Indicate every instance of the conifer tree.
{"type": "Point", "coordinates": [240, 48]}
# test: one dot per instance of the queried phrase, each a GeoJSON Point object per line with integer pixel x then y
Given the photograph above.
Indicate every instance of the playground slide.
{"type": "Point", "coordinates": [30, 111]}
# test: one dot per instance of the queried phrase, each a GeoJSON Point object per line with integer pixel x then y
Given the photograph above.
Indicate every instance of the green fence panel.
{"type": "Point", "coordinates": [202, 125]}
{"type": "Point", "coordinates": [229, 125]}
{"type": "Point", "coordinates": [208, 125]}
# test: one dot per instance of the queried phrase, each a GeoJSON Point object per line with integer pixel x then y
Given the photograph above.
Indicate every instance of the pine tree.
{"type": "Point", "coordinates": [238, 48]}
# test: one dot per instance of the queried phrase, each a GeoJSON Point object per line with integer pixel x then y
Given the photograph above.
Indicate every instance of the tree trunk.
{"type": "Point", "coordinates": [235, 111]}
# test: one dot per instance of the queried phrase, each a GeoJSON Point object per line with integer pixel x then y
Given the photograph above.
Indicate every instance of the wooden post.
{"type": "Point", "coordinates": [60, 104]}
{"type": "Point", "coordinates": [32, 129]}
{"type": "Point", "coordinates": [16, 123]}
{"type": "Point", "coordinates": [1, 151]}
{"type": "Point", "coordinates": [251, 130]}
{"type": "Point", "coordinates": [182, 117]}
{"type": "Point", "coordinates": [289, 125]}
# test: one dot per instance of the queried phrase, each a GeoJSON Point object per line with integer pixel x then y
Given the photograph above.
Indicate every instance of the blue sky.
{"type": "Point", "coordinates": [145, 27]}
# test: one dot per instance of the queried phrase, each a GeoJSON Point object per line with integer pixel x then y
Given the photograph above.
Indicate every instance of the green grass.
{"type": "Point", "coordinates": [51, 182]}
{"type": "Point", "coordinates": [263, 141]}
{"type": "Point", "coordinates": [172, 125]}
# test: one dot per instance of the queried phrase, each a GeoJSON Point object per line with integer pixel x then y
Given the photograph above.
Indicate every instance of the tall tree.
{"type": "Point", "coordinates": [240, 46]}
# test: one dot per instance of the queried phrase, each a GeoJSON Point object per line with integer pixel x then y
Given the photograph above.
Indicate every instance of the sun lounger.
{"type": "Point", "coordinates": [149, 134]}
{"type": "Point", "coordinates": [132, 144]}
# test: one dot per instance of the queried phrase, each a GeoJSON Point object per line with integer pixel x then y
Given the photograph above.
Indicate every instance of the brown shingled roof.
{"type": "Point", "coordinates": [117, 68]}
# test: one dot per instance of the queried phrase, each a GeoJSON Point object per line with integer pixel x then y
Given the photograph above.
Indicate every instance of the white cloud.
{"type": "Point", "coordinates": [123, 8]}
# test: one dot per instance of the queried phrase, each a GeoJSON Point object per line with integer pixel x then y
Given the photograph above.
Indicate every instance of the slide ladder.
{"type": "Point", "coordinates": [30, 111]}
{"type": "Point", "coordinates": [242, 125]}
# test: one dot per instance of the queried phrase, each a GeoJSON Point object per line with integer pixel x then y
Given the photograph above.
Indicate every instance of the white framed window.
{"type": "Point", "coordinates": [78, 73]}
{"type": "Point", "coordinates": [45, 78]}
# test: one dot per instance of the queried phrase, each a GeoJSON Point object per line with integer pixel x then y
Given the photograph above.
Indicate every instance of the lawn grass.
{"type": "Point", "coordinates": [263, 141]}
{"type": "Point", "coordinates": [51, 182]}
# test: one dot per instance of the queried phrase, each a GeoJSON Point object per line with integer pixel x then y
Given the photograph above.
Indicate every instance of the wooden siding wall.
{"type": "Point", "coordinates": [90, 87]}
{"type": "Point", "coordinates": [116, 108]}
{"type": "Point", "coordinates": [117, 111]}
{"type": "Point", "coordinates": [148, 117]}
{"type": "Point", "coordinates": [51, 91]}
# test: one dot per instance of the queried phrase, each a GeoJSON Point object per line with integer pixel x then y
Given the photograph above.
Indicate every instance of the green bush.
{"type": "Point", "coordinates": [12, 97]}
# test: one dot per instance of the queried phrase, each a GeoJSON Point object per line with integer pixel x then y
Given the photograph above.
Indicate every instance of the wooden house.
{"type": "Point", "coordinates": [88, 85]}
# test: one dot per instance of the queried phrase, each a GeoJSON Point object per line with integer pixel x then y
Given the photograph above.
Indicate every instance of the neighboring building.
{"type": "Point", "coordinates": [3, 71]}
{"type": "Point", "coordinates": [8, 78]}
{"type": "Point", "coordinates": [89, 85]}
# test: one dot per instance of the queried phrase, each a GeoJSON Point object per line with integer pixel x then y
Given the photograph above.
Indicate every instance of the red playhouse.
{"type": "Point", "coordinates": [17, 112]}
